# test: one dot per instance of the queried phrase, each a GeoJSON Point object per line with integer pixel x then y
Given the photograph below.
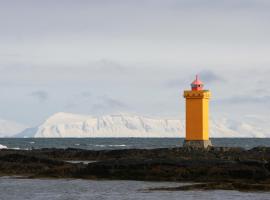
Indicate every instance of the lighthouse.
{"type": "Point", "coordinates": [197, 114]}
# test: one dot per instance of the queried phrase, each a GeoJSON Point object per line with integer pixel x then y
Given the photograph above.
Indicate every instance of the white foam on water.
{"type": "Point", "coordinates": [117, 145]}
{"type": "Point", "coordinates": [100, 145]}
{"type": "Point", "coordinates": [3, 146]}
{"type": "Point", "coordinates": [86, 162]}
{"type": "Point", "coordinates": [16, 148]}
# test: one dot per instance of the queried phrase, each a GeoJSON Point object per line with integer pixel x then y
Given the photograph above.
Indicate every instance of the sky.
{"type": "Point", "coordinates": [101, 57]}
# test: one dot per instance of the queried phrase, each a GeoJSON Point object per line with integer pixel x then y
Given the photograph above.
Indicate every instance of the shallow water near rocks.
{"type": "Point", "coordinates": [64, 189]}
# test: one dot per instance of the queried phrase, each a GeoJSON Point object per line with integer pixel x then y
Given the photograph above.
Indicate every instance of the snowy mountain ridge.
{"type": "Point", "coordinates": [121, 125]}
{"type": "Point", "coordinates": [62, 125]}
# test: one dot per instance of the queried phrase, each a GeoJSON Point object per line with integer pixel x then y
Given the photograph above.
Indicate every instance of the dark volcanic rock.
{"type": "Point", "coordinates": [214, 165]}
{"type": "Point", "coordinates": [176, 170]}
{"type": "Point", "coordinates": [21, 164]}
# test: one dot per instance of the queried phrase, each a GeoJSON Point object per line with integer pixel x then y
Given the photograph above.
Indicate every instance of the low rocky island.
{"type": "Point", "coordinates": [206, 169]}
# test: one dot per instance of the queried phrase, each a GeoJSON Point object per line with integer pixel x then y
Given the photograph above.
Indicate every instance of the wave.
{"type": "Point", "coordinates": [117, 145]}
{"type": "Point", "coordinates": [110, 145]}
{"type": "Point", "coordinates": [13, 148]}
{"type": "Point", "coordinates": [16, 148]}
{"type": "Point", "coordinates": [3, 146]}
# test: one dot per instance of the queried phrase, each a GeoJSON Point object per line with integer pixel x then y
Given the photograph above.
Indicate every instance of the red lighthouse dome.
{"type": "Point", "coordinates": [197, 84]}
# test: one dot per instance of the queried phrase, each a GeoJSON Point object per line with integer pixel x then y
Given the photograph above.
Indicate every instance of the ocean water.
{"type": "Point", "coordinates": [122, 143]}
{"type": "Point", "coordinates": [67, 189]}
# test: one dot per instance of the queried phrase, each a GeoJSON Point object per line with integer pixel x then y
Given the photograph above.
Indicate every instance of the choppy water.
{"type": "Point", "coordinates": [122, 143]}
{"type": "Point", "coordinates": [28, 189]}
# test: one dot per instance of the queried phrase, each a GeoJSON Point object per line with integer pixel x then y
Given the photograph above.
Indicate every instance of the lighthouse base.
{"type": "Point", "coordinates": [198, 144]}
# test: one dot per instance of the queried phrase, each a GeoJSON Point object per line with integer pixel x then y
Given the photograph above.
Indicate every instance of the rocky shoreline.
{"type": "Point", "coordinates": [213, 168]}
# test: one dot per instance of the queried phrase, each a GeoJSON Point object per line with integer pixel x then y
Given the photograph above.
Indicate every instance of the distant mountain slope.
{"type": "Point", "coordinates": [26, 133]}
{"type": "Point", "coordinates": [127, 125]}
{"type": "Point", "coordinates": [122, 125]}
{"type": "Point", "coordinates": [10, 128]}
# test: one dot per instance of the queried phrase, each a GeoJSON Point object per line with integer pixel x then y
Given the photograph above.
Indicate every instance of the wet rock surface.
{"type": "Point", "coordinates": [213, 168]}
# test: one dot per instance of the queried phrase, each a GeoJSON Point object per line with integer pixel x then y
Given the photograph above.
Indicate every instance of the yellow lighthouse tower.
{"type": "Point", "coordinates": [197, 108]}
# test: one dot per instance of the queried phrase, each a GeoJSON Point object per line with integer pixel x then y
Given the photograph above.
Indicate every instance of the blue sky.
{"type": "Point", "coordinates": [100, 57]}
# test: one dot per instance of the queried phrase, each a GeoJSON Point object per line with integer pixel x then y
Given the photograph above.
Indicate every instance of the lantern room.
{"type": "Point", "coordinates": [197, 84]}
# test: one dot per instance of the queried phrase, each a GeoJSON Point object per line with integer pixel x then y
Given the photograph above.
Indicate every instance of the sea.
{"type": "Point", "coordinates": [70, 189]}
{"type": "Point", "coordinates": [19, 188]}
{"type": "Point", "coordinates": [122, 143]}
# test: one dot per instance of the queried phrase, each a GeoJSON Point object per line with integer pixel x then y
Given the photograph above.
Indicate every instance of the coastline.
{"type": "Point", "coordinates": [224, 168]}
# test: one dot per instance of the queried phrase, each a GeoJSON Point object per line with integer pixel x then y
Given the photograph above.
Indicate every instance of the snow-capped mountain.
{"type": "Point", "coordinates": [10, 128]}
{"type": "Point", "coordinates": [121, 125]}
{"type": "Point", "coordinates": [127, 125]}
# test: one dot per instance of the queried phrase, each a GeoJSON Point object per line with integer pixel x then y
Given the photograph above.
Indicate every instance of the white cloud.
{"type": "Point", "coordinates": [141, 54]}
